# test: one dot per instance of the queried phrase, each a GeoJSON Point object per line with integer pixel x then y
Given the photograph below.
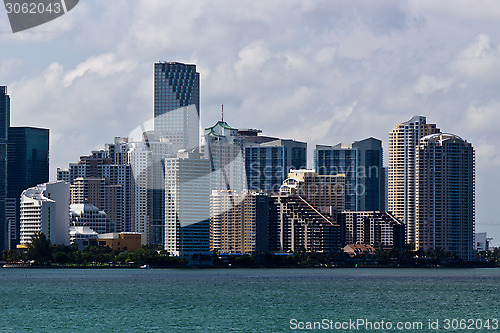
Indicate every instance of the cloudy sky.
{"type": "Point", "coordinates": [318, 71]}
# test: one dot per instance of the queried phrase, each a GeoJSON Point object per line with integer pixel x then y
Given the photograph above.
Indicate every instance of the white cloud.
{"type": "Point", "coordinates": [102, 65]}
{"type": "Point", "coordinates": [459, 9]}
{"type": "Point", "coordinates": [483, 117]}
{"type": "Point", "coordinates": [427, 84]}
{"type": "Point", "coordinates": [487, 154]}
{"type": "Point", "coordinates": [480, 60]}
{"type": "Point", "coordinates": [251, 59]}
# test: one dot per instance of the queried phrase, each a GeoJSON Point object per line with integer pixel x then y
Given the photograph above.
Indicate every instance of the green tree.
{"type": "Point", "coordinates": [40, 249]}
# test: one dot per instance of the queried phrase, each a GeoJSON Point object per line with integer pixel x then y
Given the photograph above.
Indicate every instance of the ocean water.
{"type": "Point", "coordinates": [247, 300]}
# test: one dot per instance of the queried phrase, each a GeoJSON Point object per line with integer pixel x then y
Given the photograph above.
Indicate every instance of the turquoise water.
{"type": "Point", "coordinates": [241, 300]}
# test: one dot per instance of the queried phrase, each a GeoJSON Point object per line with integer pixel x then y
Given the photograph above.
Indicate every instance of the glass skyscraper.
{"type": "Point", "coordinates": [28, 165]}
{"type": "Point", "coordinates": [177, 86]}
{"type": "Point", "coordinates": [4, 126]}
{"type": "Point", "coordinates": [268, 160]}
{"type": "Point", "coordinates": [361, 162]}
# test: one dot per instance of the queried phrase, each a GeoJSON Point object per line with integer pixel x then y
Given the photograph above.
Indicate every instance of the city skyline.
{"type": "Point", "coordinates": [413, 64]}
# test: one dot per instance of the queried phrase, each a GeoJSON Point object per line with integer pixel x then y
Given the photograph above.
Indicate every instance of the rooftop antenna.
{"type": "Point", "coordinates": [222, 112]}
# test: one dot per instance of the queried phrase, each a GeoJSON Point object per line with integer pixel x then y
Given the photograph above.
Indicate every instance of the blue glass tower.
{"type": "Point", "coordinates": [28, 165]}
{"type": "Point", "coordinates": [361, 162]}
{"type": "Point", "coordinates": [4, 125]}
{"type": "Point", "coordinates": [177, 85]}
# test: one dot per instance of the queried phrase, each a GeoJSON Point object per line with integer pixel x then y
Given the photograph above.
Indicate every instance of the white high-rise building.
{"type": "Point", "coordinates": [187, 204]}
{"type": "Point", "coordinates": [181, 127]}
{"type": "Point", "coordinates": [403, 140]}
{"type": "Point", "coordinates": [147, 161]}
{"type": "Point", "coordinates": [45, 209]}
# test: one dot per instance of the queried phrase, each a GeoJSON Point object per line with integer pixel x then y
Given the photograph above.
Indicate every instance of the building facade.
{"type": "Point", "coordinates": [28, 165]}
{"type": "Point", "coordinates": [325, 192]}
{"type": "Point", "coordinates": [104, 179]}
{"type": "Point", "coordinates": [304, 227]}
{"type": "Point", "coordinates": [148, 195]}
{"type": "Point", "coordinates": [45, 209]}
{"type": "Point", "coordinates": [306, 208]}
{"type": "Point", "coordinates": [445, 195]}
{"type": "Point", "coordinates": [403, 141]}
{"type": "Point", "coordinates": [381, 230]}
{"type": "Point", "coordinates": [239, 222]}
{"type": "Point", "coordinates": [176, 85]}
{"type": "Point", "coordinates": [87, 215]}
{"type": "Point", "coordinates": [181, 127]}
{"type": "Point", "coordinates": [4, 126]}
{"type": "Point", "coordinates": [187, 204]}
{"type": "Point", "coordinates": [223, 147]}
{"type": "Point", "coordinates": [362, 164]}
{"type": "Point", "coordinates": [268, 160]}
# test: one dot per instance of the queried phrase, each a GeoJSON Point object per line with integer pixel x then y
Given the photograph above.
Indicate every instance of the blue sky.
{"type": "Point", "coordinates": [318, 71]}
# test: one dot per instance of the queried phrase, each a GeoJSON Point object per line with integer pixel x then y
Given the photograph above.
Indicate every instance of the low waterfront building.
{"type": "Point", "coordinates": [482, 241]}
{"type": "Point", "coordinates": [79, 236]}
{"type": "Point", "coordinates": [123, 241]}
{"type": "Point", "coordinates": [307, 205]}
{"type": "Point", "coordinates": [358, 249]}
{"type": "Point", "coordinates": [90, 216]}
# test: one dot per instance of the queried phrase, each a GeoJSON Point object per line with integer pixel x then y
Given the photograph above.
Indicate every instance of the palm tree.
{"type": "Point", "coordinates": [39, 249]}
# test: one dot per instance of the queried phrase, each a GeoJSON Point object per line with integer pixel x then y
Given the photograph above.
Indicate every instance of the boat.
{"type": "Point", "coordinates": [17, 265]}
{"type": "Point", "coordinates": [144, 267]}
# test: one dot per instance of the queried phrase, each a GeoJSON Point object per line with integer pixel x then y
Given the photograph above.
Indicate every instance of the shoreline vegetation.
{"type": "Point", "coordinates": [42, 254]}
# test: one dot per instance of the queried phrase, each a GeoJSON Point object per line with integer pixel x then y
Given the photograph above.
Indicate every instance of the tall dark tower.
{"type": "Point", "coordinates": [177, 87]}
{"type": "Point", "coordinates": [4, 125]}
{"type": "Point", "coordinates": [28, 165]}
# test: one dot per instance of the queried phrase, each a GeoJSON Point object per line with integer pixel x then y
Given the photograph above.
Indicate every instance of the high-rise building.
{"type": "Point", "coordinates": [324, 192]}
{"type": "Point", "coordinates": [4, 125]}
{"type": "Point", "coordinates": [307, 205]}
{"type": "Point", "coordinates": [11, 215]}
{"type": "Point", "coordinates": [224, 148]}
{"type": "Point", "coordinates": [403, 140]}
{"type": "Point", "coordinates": [99, 193]}
{"type": "Point", "coordinates": [303, 226]}
{"type": "Point", "coordinates": [111, 166]}
{"type": "Point", "coordinates": [187, 204]}
{"type": "Point", "coordinates": [45, 209]}
{"type": "Point", "coordinates": [181, 127]}
{"type": "Point", "coordinates": [444, 195]}
{"type": "Point", "coordinates": [268, 160]}
{"type": "Point", "coordinates": [177, 85]}
{"type": "Point", "coordinates": [28, 164]}
{"type": "Point", "coordinates": [239, 222]}
{"type": "Point", "coordinates": [147, 161]}
{"type": "Point", "coordinates": [361, 162]}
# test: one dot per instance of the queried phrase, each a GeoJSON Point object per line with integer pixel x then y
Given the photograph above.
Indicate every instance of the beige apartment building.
{"type": "Point", "coordinates": [403, 140]}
